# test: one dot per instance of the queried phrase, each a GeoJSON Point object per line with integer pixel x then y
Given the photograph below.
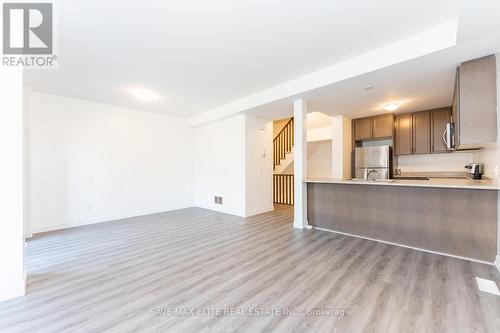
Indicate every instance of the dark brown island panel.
{"type": "Point", "coordinates": [456, 221]}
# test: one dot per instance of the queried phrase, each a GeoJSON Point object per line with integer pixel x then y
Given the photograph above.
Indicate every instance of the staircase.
{"type": "Point", "coordinates": [283, 144]}
{"type": "Point", "coordinates": [283, 184]}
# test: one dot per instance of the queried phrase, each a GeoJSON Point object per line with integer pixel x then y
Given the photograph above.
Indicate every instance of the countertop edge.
{"type": "Point", "coordinates": [489, 187]}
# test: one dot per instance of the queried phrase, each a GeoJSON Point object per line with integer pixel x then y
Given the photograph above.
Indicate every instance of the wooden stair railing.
{"type": "Point", "coordinates": [283, 185]}
{"type": "Point", "coordinates": [283, 188]}
{"type": "Point", "coordinates": [283, 143]}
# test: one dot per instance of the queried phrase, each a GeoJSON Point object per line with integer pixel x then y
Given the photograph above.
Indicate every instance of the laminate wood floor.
{"type": "Point", "coordinates": [132, 275]}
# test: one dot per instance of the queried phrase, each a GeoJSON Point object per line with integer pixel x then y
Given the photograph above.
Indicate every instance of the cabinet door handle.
{"type": "Point", "coordinates": [445, 133]}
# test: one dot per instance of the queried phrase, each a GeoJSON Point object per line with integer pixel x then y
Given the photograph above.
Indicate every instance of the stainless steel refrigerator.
{"type": "Point", "coordinates": [373, 162]}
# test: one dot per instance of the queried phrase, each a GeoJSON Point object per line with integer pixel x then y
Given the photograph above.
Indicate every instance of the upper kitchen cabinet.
{"type": "Point", "coordinates": [383, 126]}
{"type": "Point", "coordinates": [362, 129]}
{"type": "Point", "coordinates": [403, 135]}
{"type": "Point", "coordinates": [422, 132]}
{"type": "Point", "coordinates": [475, 104]}
{"type": "Point", "coordinates": [440, 118]}
{"type": "Point", "coordinates": [373, 128]}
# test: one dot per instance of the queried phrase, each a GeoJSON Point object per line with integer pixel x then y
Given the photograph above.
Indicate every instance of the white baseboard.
{"type": "Point", "coordinates": [260, 211]}
{"type": "Point", "coordinates": [36, 230]}
{"type": "Point", "coordinates": [411, 247]}
{"type": "Point", "coordinates": [71, 224]}
{"type": "Point", "coordinates": [220, 209]}
{"type": "Point", "coordinates": [16, 290]}
{"type": "Point", "coordinates": [497, 263]}
{"type": "Point", "coordinates": [236, 213]}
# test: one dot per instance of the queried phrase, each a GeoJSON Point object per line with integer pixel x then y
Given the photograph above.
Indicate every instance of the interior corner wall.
{"type": "Point", "coordinates": [12, 272]}
{"type": "Point", "coordinates": [319, 159]}
{"type": "Point", "coordinates": [258, 165]}
{"type": "Point", "coordinates": [341, 147]}
{"type": "Point", "coordinates": [219, 165]}
{"type": "Point", "coordinates": [92, 162]}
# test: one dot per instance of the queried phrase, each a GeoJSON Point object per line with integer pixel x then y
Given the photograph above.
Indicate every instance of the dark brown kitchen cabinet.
{"type": "Point", "coordinates": [421, 132]}
{"type": "Point", "coordinates": [383, 126]}
{"type": "Point", "coordinates": [475, 104]}
{"type": "Point", "coordinates": [403, 134]}
{"type": "Point", "coordinates": [363, 129]}
{"type": "Point", "coordinates": [374, 128]}
{"type": "Point", "coordinates": [440, 117]}
{"type": "Point", "coordinates": [421, 124]}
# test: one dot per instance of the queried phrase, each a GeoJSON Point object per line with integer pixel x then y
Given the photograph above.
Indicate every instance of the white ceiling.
{"type": "Point", "coordinates": [198, 55]}
{"type": "Point", "coordinates": [419, 84]}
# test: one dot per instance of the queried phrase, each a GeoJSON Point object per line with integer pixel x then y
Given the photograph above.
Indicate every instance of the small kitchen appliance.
{"type": "Point", "coordinates": [474, 170]}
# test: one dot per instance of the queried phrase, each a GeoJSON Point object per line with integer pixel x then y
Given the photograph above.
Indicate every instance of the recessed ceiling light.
{"type": "Point", "coordinates": [391, 106]}
{"type": "Point", "coordinates": [144, 95]}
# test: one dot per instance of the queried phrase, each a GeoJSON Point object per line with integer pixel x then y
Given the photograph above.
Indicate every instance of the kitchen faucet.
{"type": "Point", "coordinates": [367, 174]}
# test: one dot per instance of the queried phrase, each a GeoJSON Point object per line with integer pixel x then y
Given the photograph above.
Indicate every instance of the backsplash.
{"type": "Point", "coordinates": [434, 163]}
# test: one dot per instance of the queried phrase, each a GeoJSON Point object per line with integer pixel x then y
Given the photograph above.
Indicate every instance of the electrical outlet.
{"type": "Point", "coordinates": [218, 200]}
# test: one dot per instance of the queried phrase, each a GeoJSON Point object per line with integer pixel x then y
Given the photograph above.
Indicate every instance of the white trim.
{"type": "Point", "coordinates": [300, 163]}
{"type": "Point", "coordinates": [260, 211]}
{"type": "Point", "coordinates": [408, 247]}
{"type": "Point", "coordinates": [221, 209]}
{"type": "Point", "coordinates": [16, 290]}
{"type": "Point", "coordinates": [497, 263]}
{"type": "Point", "coordinates": [103, 219]}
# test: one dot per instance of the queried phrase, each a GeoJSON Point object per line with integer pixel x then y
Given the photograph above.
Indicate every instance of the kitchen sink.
{"type": "Point", "coordinates": [412, 177]}
{"type": "Point", "coordinates": [361, 180]}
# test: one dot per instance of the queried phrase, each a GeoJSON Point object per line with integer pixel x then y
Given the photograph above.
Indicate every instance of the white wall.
{"type": "Point", "coordinates": [318, 120]}
{"type": "Point", "coordinates": [12, 275]}
{"type": "Point", "coordinates": [319, 159]}
{"type": "Point", "coordinates": [228, 162]}
{"type": "Point", "coordinates": [92, 162]}
{"type": "Point", "coordinates": [435, 162]}
{"type": "Point", "coordinates": [258, 165]}
{"type": "Point", "coordinates": [219, 165]}
{"type": "Point", "coordinates": [341, 147]}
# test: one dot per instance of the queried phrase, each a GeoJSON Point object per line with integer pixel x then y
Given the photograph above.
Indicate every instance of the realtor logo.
{"type": "Point", "coordinates": [28, 30]}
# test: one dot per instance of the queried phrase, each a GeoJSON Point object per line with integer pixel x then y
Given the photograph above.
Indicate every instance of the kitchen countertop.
{"type": "Point", "coordinates": [460, 183]}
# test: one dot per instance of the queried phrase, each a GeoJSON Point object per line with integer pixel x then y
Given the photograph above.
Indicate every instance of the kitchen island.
{"type": "Point", "coordinates": [457, 217]}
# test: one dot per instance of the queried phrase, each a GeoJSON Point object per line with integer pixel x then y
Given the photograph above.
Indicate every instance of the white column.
{"type": "Point", "coordinates": [300, 163]}
{"type": "Point", "coordinates": [12, 279]}
{"type": "Point", "coordinates": [341, 147]}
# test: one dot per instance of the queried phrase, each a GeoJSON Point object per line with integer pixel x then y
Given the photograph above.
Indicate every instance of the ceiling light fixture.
{"type": "Point", "coordinates": [144, 95]}
{"type": "Point", "coordinates": [391, 106]}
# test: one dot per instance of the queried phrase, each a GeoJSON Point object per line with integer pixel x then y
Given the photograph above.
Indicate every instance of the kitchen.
{"type": "Point", "coordinates": [425, 179]}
